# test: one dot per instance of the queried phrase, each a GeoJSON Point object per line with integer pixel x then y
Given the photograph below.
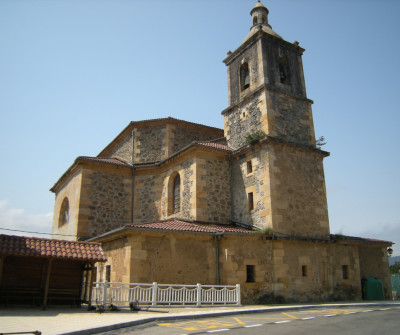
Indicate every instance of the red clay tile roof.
{"type": "Point", "coordinates": [178, 225]}
{"type": "Point", "coordinates": [215, 145]}
{"type": "Point", "coordinates": [112, 161]}
{"type": "Point", "coordinates": [43, 247]}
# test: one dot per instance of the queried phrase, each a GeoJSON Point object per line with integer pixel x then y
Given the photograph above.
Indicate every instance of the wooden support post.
{"type": "Point", "coordinates": [92, 279]}
{"type": "Point", "coordinates": [46, 288]}
{"type": "Point", "coordinates": [2, 259]}
{"type": "Point", "coordinates": [85, 291]}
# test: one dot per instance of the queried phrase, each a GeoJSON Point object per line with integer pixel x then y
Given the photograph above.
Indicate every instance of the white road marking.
{"type": "Point", "coordinates": [253, 326]}
{"type": "Point", "coordinates": [384, 309]}
{"type": "Point", "coordinates": [330, 315]}
{"type": "Point", "coordinates": [349, 313]}
{"type": "Point", "coordinates": [308, 318]}
{"type": "Point", "coordinates": [286, 321]}
{"type": "Point", "coordinates": [218, 330]}
{"type": "Point", "coordinates": [368, 310]}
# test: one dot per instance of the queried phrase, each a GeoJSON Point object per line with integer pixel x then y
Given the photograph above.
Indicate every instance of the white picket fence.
{"type": "Point", "coordinates": [163, 295]}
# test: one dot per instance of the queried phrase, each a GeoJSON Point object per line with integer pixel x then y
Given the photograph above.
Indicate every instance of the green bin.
{"type": "Point", "coordinates": [372, 289]}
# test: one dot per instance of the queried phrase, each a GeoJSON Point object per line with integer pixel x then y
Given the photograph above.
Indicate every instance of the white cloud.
{"type": "Point", "coordinates": [18, 219]}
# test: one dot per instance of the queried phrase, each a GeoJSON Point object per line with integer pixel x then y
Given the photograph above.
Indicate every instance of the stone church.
{"type": "Point", "coordinates": [173, 201]}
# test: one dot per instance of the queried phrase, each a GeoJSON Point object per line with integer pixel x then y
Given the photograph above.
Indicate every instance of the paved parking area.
{"type": "Point", "coordinates": [80, 321]}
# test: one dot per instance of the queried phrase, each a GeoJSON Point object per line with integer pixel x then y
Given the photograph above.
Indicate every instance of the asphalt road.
{"type": "Point", "coordinates": [375, 320]}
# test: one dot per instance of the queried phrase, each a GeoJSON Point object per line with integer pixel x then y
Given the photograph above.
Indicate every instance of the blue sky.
{"type": "Point", "coordinates": [73, 74]}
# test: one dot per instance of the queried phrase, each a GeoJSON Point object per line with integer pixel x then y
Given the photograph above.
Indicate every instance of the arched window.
{"type": "Point", "coordinates": [263, 19]}
{"type": "Point", "coordinates": [176, 194]}
{"type": "Point", "coordinates": [244, 76]}
{"type": "Point", "coordinates": [63, 218]}
{"type": "Point", "coordinates": [283, 71]}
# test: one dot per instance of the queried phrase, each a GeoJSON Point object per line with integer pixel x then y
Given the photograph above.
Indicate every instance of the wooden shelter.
{"type": "Point", "coordinates": [42, 272]}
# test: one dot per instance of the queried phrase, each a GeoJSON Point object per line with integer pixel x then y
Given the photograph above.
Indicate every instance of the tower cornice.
{"type": "Point", "coordinates": [254, 38]}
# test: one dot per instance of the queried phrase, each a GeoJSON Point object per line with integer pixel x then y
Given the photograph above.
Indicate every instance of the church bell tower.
{"type": "Point", "coordinates": [285, 190]}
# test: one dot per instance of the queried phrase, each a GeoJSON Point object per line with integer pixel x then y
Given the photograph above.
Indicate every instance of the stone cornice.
{"type": "Point", "coordinates": [273, 140]}
{"type": "Point", "coordinates": [253, 39]}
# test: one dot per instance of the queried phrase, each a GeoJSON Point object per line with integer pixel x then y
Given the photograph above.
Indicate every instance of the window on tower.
{"type": "Point", "coordinates": [244, 77]}
{"type": "Point", "coordinates": [63, 218]}
{"type": "Point", "coordinates": [250, 201]}
{"type": "Point", "coordinates": [283, 71]}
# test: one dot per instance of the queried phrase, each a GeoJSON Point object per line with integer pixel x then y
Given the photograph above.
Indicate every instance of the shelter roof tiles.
{"type": "Point", "coordinates": [42, 247]}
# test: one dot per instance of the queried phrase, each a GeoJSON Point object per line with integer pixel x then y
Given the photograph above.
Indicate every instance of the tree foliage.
{"type": "Point", "coordinates": [255, 137]}
{"type": "Point", "coordinates": [320, 142]}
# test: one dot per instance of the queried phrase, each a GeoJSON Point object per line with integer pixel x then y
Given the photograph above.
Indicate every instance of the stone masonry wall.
{"type": "Point", "coordinates": [291, 119]}
{"type": "Point", "coordinates": [172, 258]}
{"type": "Point", "coordinates": [213, 189]}
{"type": "Point", "coordinates": [284, 270]}
{"type": "Point", "coordinates": [322, 279]}
{"type": "Point", "coordinates": [181, 137]}
{"type": "Point", "coordinates": [118, 255]}
{"type": "Point", "coordinates": [150, 144]}
{"type": "Point", "coordinates": [236, 253]}
{"type": "Point", "coordinates": [105, 201]}
{"type": "Point", "coordinates": [123, 150]}
{"type": "Point", "coordinates": [256, 182]}
{"type": "Point", "coordinates": [255, 71]}
{"type": "Point", "coordinates": [298, 195]}
{"type": "Point", "coordinates": [71, 191]}
{"type": "Point", "coordinates": [148, 189]}
{"type": "Point", "coordinates": [243, 121]}
{"type": "Point", "coordinates": [273, 53]}
{"type": "Point", "coordinates": [152, 194]}
{"type": "Point", "coordinates": [188, 192]}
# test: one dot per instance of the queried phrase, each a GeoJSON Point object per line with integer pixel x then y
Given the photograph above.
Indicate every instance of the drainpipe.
{"type": "Point", "coordinates": [217, 236]}
{"type": "Point", "coordinates": [133, 175]}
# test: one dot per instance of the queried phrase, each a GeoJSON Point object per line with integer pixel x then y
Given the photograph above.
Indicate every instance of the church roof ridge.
{"type": "Point", "coordinates": [169, 118]}
{"type": "Point", "coordinates": [166, 120]}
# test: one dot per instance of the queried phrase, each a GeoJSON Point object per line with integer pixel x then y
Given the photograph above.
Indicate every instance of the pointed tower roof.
{"type": "Point", "coordinates": [259, 14]}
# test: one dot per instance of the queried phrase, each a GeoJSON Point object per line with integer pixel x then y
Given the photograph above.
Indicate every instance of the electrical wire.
{"type": "Point", "coordinates": [33, 232]}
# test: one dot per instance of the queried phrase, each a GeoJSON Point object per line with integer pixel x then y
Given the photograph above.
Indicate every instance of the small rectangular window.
{"type": "Point", "coordinates": [345, 271]}
{"type": "Point", "coordinates": [250, 201]}
{"type": "Point", "coordinates": [249, 167]}
{"type": "Point", "coordinates": [250, 274]}
{"type": "Point", "coordinates": [108, 272]}
{"type": "Point", "coordinates": [304, 270]}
